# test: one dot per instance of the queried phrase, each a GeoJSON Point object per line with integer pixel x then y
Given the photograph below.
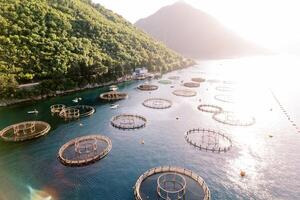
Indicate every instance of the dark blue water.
{"type": "Point", "coordinates": [31, 170]}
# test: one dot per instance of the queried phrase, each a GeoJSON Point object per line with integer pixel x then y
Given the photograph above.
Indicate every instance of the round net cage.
{"type": "Point", "coordinates": [157, 103]}
{"type": "Point", "coordinates": [171, 186]}
{"type": "Point", "coordinates": [24, 131]}
{"type": "Point", "coordinates": [185, 93]}
{"type": "Point", "coordinates": [191, 84]}
{"type": "Point", "coordinates": [70, 113]}
{"type": "Point", "coordinates": [209, 108]}
{"type": "Point", "coordinates": [113, 96]}
{"type": "Point", "coordinates": [170, 183]}
{"type": "Point", "coordinates": [175, 78]}
{"type": "Point", "coordinates": [234, 119]}
{"type": "Point", "coordinates": [224, 89]}
{"type": "Point", "coordinates": [84, 150]}
{"type": "Point", "coordinates": [128, 121]}
{"type": "Point", "coordinates": [84, 110]}
{"type": "Point", "coordinates": [208, 140]}
{"type": "Point", "coordinates": [198, 79]}
{"type": "Point", "coordinates": [57, 108]}
{"type": "Point", "coordinates": [224, 98]}
{"type": "Point", "coordinates": [165, 82]}
{"type": "Point", "coordinates": [147, 87]}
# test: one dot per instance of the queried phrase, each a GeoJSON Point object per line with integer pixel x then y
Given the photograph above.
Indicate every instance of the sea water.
{"type": "Point", "coordinates": [268, 151]}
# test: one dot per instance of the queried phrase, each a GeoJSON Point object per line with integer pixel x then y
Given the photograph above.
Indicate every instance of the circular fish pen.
{"type": "Point", "coordinates": [165, 82]}
{"type": "Point", "coordinates": [128, 121]}
{"type": "Point", "coordinates": [191, 84]}
{"type": "Point", "coordinates": [70, 113]}
{"type": "Point", "coordinates": [224, 98]}
{"type": "Point", "coordinates": [157, 103]}
{"type": "Point", "coordinates": [147, 87]}
{"type": "Point", "coordinates": [209, 108]}
{"type": "Point", "coordinates": [175, 78]}
{"type": "Point", "coordinates": [24, 131]}
{"type": "Point", "coordinates": [113, 96]}
{"type": "Point", "coordinates": [170, 183]}
{"type": "Point", "coordinates": [84, 150]}
{"type": "Point", "coordinates": [208, 140]}
{"type": "Point", "coordinates": [75, 112]}
{"type": "Point", "coordinates": [224, 89]}
{"type": "Point", "coordinates": [233, 119]}
{"type": "Point", "coordinates": [198, 80]}
{"type": "Point", "coordinates": [185, 93]}
{"type": "Point", "coordinates": [57, 108]}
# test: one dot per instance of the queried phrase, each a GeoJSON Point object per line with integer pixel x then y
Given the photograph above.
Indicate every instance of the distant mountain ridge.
{"type": "Point", "coordinates": [194, 33]}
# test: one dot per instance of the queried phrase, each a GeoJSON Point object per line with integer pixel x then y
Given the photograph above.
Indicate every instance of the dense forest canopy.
{"type": "Point", "coordinates": [70, 43]}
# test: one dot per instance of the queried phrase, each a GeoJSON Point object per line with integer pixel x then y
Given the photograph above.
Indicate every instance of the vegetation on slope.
{"type": "Point", "coordinates": [71, 43]}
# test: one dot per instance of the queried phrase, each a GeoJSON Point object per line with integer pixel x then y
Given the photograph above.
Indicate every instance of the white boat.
{"type": "Point", "coordinates": [77, 99]}
{"type": "Point", "coordinates": [33, 112]}
{"type": "Point", "coordinates": [114, 106]}
{"type": "Point", "coordinates": [113, 88]}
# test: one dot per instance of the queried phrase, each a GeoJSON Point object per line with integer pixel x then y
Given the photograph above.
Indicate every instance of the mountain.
{"type": "Point", "coordinates": [70, 43]}
{"type": "Point", "coordinates": [194, 33]}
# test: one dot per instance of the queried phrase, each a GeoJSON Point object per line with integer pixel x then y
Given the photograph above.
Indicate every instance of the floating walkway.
{"type": "Point", "coordinates": [169, 182]}
{"type": "Point", "coordinates": [191, 84]}
{"type": "Point", "coordinates": [198, 80]}
{"type": "Point", "coordinates": [84, 150]}
{"type": "Point", "coordinates": [185, 93]}
{"type": "Point", "coordinates": [233, 119]}
{"type": "Point", "coordinates": [208, 140]}
{"type": "Point", "coordinates": [73, 112]}
{"type": "Point", "coordinates": [157, 103]}
{"type": "Point", "coordinates": [128, 121]}
{"type": "Point", "coordinates": [24, 131]}
{"type": "Point", "coordinates": [147, 87]}
{"type": "Point", "coordinates": [209, 108]}
{"type": "Point", "coordinates": [113, 96]}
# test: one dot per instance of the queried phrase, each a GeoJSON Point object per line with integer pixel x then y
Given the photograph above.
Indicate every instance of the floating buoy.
{"type": "Point", "coordinates": [242, 173]}
{"type": "Point", "coordinates": [177, 118]}
{"type": "Point", "coordinates": [80, 124]}
{"type": "Point", "coordinates": [142, 142]}
{"type": "Point", "coordinates": [270, 136]}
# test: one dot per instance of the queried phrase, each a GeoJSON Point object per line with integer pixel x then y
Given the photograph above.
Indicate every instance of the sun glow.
{"type": "Point", "coordinates": [272, 24]}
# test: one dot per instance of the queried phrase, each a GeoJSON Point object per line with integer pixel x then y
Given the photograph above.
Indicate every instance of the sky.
{"type": "Point", "coordinates": [273, 24]}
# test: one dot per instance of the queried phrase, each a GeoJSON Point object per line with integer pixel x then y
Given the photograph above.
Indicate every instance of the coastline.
{"type": "Point", "coordinates": [10, 102]}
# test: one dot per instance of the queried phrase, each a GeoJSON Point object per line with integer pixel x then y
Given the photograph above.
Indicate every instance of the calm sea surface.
{"type": "Point", "coordinates": [30, 170]}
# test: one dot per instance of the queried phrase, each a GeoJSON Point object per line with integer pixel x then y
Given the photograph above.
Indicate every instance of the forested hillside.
{"type": "Point", "coordinates": [70, 43]}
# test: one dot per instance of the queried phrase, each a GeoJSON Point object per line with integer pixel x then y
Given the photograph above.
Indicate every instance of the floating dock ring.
{"type": "Point", "coordinates": [171, 186]}
{"type": "Point", "coordinates": [191, 84]}
{"type": "Point", "coordinates": [70, 113]}
{"type": "Point", "coordinates": [170, 183]}
{"type": "Point", "coordinates": [209, 108]}
{"type": "Point", "coordinates": [24, 131]}
{"type": "Point", "coordinates": [84, 150]}
{"type": "Point", "coordinates": [175, 78]}
{"type": "Point", "coordinates": [157, 103]}
{"type": "Point", "coordinates": [224, 98]}
{"type": "Point", "coordinates": [165, 82]}
{"type": "Point", "coordinates": [84, 110]}
{"type": "Point", "coordinates": [185, 93]}
{"type": "Point", "coordinates": [128, 121]}
{"type": "Point", "coordinates": [224, 89]}
{"type": "Point", "coordinates": [147, 87]}
{"type": "Point", "coordinates": [208, 140]}
{"type": "Point", "coordinates": [57, 108]}
{"type": "Point", "coordinates": [198, 80]}
{"type": "Point", "coordinates": [234, 119]}
{"type": "Point", "coordinates": [113, 96]}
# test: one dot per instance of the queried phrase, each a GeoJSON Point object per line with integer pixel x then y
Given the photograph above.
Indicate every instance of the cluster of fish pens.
{"type": "Point", "coordinates": [170, 180]}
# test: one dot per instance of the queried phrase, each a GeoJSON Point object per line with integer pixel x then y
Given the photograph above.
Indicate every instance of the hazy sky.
{"type": "Point", "coordinates": [270, 23]}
